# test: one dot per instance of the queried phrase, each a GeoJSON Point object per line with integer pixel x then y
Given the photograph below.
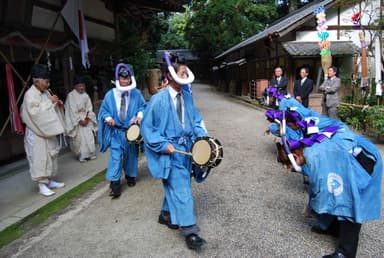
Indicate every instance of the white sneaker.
{"type": "Point", "coordinates": [82, 158]}
{"type": "Point", "coordinates": [54, 184]}
{"type": "Point", "coordinates": [92, 157]}
{"type": "Point", "coordinates": [44, 190]}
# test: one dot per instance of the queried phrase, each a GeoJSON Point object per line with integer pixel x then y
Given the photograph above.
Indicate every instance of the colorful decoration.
{"type": "Point", "coordinates": [364, 64]}
{"type": "Point", "coordinates": [356, 18]}
{"type": "Point", "coordinates": [324, 44]}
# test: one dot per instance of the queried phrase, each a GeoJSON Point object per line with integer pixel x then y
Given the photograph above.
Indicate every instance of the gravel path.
{"type": "Point", "coordinates": [248, 207]}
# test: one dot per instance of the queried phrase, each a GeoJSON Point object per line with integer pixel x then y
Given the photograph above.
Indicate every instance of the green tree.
{"type": "Point", "coordinates": [175, 36]}
{"type": "Point", "coordinates": [288, 6]}
{"type": "Point", "coordinates": [138, 40]}
{"type": "Point", "coordinates": [214, 26]}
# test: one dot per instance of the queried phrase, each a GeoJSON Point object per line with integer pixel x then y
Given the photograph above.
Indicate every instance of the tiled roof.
{"type": "Point", "coordinates": [289, 21]}
{"type": "Point", "coordinates": [186, 54]}
{"type": "Point", "coordinates": [305, 48]}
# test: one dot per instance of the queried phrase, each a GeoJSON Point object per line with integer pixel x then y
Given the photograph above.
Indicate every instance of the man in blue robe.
{"type": "Point", "coordinates": [121, 107]}
{"type": "Point", "coordinates": [344, 174]}
{"type": "Point", "coordinates": [171, 123]}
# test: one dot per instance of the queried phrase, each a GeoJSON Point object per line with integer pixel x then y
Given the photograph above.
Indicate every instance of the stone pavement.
{"type": "Point", "coordinates": [19, 195]}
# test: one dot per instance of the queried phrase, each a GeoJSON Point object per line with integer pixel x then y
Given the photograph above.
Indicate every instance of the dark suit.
{"type": "Point", "coordinates": [281, 85]}
{"type": "Point", "coordinates": [303, 90]}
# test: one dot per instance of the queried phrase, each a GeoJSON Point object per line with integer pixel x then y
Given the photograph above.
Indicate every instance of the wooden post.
{"type": "Point", "coordinates": [29, 76]}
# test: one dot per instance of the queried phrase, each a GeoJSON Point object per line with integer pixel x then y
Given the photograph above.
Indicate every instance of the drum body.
{"type": "Point", "coordinates": [133, 134]}
{"type": "Point", "coordinates": [207, 152]}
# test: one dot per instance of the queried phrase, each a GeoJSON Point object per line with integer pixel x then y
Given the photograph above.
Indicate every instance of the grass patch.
{"type": "Point", "coordinates": [16, 230]}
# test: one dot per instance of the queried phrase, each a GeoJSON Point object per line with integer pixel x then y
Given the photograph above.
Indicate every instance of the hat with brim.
{"type": "Point", "coordinates": [40, 71]}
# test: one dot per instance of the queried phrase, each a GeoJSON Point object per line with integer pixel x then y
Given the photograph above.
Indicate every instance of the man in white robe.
{"type": "Point", "coordinates": [80, 121]}
{"type": "Point", "coordinates": [40, 112]}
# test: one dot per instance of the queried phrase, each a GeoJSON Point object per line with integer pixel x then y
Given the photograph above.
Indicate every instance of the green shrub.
{"type": "Point", "coordinates": [344, 112]}
{"type": "Point", "coordinates": [353, 116]}
{"type": "Point", "coordinates": [375, 119]}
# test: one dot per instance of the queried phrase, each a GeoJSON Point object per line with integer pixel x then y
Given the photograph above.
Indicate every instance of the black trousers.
{"type": "Point", "coordinates": [349, 238]}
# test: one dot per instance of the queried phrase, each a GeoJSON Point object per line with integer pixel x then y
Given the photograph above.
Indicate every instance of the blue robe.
{"type": "Point", "coordinates": [160, 127]}
{"type": "Point", "coordinates": [122, 153]}
{"type": "Point", "coordinates": [339, 185]}
{"type": "Point", "coordinates": [322, 122]}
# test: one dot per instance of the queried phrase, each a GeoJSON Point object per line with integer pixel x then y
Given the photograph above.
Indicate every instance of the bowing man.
{"type": "Point", "coordinates": [121, 107]}
{"type": "Point", "coordinates": [344, 171]}
{"type": "Point", "coordinates": [41, 113]}
{"type": "Point", "coordinates": [344, 186]}
{"type": "Point", "coordinates": [172, 122]}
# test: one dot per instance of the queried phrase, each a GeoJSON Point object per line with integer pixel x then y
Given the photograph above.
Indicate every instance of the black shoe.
{"type": "Point", "coordinates": [115, 189]}
{"type": "Point", "coordinates": [167, 222]}
{"type": "Point", "coordinates": [114, 195]}
{"type": "Point", "coordinates": [131, 181]}
{"type": "Point", "coordinates": [194, 241]}
{"type": "Point", "coordinates": [335, 255]}
{"type": "Point", "coordinates": [318, 230]}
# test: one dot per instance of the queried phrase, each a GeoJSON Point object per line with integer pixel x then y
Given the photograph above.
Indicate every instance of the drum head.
{"type": "Point", "coordinates": [133, 133]}
{"type": "Point", "coordinates": [201, 152]}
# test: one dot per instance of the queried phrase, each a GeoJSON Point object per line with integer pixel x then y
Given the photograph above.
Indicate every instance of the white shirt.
{"type": "Point", "coordinates": [303, 80]}
{"type": "Point", "coordinates": [173, 94]}
{"type": "Point", "coordinates": [117, 94]}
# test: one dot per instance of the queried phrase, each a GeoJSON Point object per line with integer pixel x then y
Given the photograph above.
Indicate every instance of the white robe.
{"type": "Point", "coordinates": [82, 140]}
{"type": "Point", "coordinates": [44, 121]}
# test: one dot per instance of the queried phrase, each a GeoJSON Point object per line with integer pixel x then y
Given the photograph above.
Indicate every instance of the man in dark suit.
{"type": "Point", "coordinates": [303, 87]}
{"type": "Point", "coordinates": [330, 88]}
{"type": "Point", "coordinates": [279, 81]}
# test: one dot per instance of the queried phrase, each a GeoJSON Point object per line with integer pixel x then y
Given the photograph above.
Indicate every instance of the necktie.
{"type": "Point", "coordinates": [123, 106]}
{"type": "Point", "coordinates": [178, 106]}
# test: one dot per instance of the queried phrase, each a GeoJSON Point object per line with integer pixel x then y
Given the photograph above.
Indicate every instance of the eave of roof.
{"type": "Point", "coordinates": [308, 48]}
{"type": "Point", "coordinates": [283, 25]}
{"type": "Point", "coordinates": [145, 7]}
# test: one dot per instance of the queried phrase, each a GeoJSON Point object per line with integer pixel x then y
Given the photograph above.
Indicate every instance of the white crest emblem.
{"type": "Point", "coordinates": [335, 184]}
{"type": "Point", "coordinates": [315, 119]}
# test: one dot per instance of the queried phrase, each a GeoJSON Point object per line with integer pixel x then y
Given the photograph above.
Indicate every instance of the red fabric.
{"type": "Point", "coordinates": [16, 125]}
{"type": "Point", "coordinates": [81, 32]}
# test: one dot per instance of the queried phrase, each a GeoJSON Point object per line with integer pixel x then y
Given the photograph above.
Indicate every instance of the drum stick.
{"type": "Point", "coordinates": [183, 152]}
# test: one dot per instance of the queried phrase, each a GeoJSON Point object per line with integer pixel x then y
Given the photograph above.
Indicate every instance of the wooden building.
{"type": "Point", "coordinates": [292, 42]}
{"type": "Point", "coordinates": [32, 28]}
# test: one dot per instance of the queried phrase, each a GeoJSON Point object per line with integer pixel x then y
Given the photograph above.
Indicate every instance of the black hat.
{"type": "Point", "coordinates": [124, 72]}
{"type": "Point", "coordinates": [78, 79]}
{"type": "Point", "coordinates": [40, 71]}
